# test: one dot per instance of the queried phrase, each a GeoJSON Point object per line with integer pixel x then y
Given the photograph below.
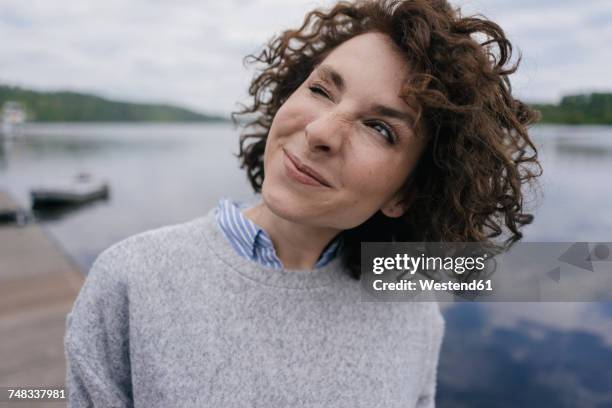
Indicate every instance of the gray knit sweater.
{"type": "Point", "coordinates": [175, 318]}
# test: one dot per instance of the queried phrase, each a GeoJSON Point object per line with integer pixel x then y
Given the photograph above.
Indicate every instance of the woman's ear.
{"type": "Point", "coordinates": [393, 208]}
{"type": "Point", "coordinates": [399, 204]}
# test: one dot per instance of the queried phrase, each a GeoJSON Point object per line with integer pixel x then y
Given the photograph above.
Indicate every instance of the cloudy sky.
{"type": "Point", "coordinates": [189, 52]}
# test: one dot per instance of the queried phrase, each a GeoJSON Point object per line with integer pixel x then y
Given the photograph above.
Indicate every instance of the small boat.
{"type": "Point", "coordinates": [81, 190]}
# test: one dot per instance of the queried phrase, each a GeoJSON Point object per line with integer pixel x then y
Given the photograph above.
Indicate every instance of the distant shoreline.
{"type": "Point", "coordinates": [583, 109]}
{"type": "Point", "coordinates": [132, 122]}
{"type": "Point", "coordinates": [78, 107]}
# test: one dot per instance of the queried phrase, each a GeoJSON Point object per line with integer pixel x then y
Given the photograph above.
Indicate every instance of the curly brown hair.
{"type": "Point", "coordinates": [467, 186]}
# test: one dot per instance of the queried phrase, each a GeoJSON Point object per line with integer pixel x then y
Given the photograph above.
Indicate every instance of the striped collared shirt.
{"type": "Point", "coordinates": [252, 242]}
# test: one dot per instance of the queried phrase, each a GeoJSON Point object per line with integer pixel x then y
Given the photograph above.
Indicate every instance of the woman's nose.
{"type": "Point", "coordinates": [326, 132]}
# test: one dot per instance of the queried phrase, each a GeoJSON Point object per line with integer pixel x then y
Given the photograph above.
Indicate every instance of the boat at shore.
{"type": "Point", "coordinates": [83, 189]}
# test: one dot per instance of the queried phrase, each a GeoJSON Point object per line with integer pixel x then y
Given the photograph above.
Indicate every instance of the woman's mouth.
{"type": "Point", "coordinates": [301, 173]}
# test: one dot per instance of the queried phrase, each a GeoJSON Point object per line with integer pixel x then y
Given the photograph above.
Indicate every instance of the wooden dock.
{"type": "Point", "coordinates": [38, 285]}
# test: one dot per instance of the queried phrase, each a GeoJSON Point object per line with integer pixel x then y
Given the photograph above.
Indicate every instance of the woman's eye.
{"type": "Point", "coordinates": [319, 90]}
{"type": "Point", "coordinates": [384, 130]}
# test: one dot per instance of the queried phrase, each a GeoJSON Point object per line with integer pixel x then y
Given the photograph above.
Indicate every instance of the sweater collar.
{"type": "Point", "coordinates": [332, 271]}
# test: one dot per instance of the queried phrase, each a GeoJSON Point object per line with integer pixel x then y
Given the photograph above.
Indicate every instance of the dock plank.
{"type": "Point", "coordinates": [38, 285]}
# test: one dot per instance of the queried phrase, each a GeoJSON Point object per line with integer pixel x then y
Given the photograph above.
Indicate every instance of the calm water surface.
{"type": "Point", "coordinates": [510, 354]}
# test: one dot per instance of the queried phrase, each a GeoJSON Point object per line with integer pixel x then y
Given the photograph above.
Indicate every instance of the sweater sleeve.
{"type": "Point", "coordinates": [96, 342]}
{"type": "Point", "coordinates": [427, 398]}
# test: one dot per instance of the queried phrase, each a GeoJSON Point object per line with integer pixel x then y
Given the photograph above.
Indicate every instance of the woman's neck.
{"type": "Point", "coordinates": [298, 246]}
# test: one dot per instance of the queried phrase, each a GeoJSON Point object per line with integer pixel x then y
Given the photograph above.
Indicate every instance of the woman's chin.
{"type": "Point", "coordinates": [286, 205]}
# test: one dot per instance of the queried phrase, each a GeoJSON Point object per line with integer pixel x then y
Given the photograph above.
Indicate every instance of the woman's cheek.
{"type": "Point", "coordinates": [290, 119]}
{"type": "Point", "coordinates": [375, 173]}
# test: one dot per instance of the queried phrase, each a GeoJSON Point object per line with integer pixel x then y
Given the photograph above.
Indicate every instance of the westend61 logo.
{"type": "Point", "coordinates": [558, 272]}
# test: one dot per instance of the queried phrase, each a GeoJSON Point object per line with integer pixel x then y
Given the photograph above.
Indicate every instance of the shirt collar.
{"type": "Point", "coordinates": [250, 240]}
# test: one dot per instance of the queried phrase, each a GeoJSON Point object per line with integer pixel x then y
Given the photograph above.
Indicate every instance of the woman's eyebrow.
{"type": "Point", "coordinates": [383, 110]}
{"type": "Point", "coordinates": [331, 75]}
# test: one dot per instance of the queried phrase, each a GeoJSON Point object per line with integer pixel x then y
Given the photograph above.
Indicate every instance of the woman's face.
{"type": "Point", "coordinates": [347, 126]}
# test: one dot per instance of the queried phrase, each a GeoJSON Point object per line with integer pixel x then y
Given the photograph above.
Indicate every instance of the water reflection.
{"type": "Point", "coordinates": [4, 147]}
{"type": "Point", "coordinates": [81, 145]}
{"type": "Point", "coordinates": [591, 151]}
{"type": "Point", "coordinates": [490, 359]}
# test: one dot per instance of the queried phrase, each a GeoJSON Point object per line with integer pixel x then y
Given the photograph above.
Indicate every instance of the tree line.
{"type": "Point", "coordinates": [77, 107]}
{"type": "Point", "coordinates": [594, 108]}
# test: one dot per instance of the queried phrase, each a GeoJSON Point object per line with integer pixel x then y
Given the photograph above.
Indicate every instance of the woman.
{"type": "Point", "coordinates": [375, 121]}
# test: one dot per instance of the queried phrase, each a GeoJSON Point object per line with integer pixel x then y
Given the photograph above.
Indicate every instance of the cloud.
{"type": "Point", "coordinates": [589, 317]}
{"type": "Point", "coordinates": [190, 52]}
{"type": "Point", "coordinates": [565, 44]}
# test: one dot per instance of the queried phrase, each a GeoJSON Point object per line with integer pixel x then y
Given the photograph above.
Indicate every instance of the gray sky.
{"type": "Point", "coordinates": [190, 52]}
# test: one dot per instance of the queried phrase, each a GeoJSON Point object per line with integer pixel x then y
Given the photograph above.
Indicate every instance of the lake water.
{"type": "Point", "coordinates": [510, 354]}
